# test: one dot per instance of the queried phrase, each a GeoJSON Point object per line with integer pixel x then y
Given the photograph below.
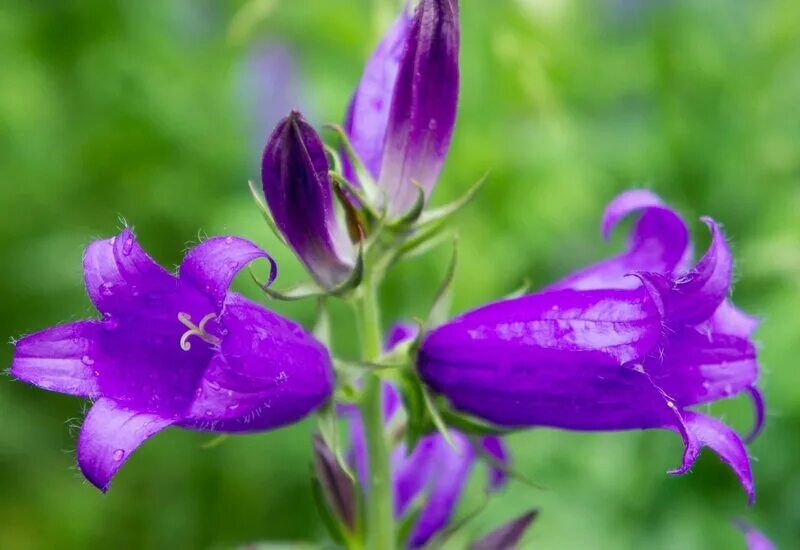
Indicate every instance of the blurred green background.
{"type": "Point", "coordinates": [156, 112]}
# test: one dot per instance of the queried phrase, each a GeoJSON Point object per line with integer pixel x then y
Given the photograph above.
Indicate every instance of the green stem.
{"type": "Point", "coordinates": [380, 518]}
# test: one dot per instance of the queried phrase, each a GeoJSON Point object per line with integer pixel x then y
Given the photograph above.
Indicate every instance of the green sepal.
{"type": "Point", "coordinates": [508, 535]}
{"type": "Point", "coordinates": [332, 525]}
{"type": "Point", "coordinates": [328, 423]}
{"type": "Point", "coordinates": [373, 192]}
{"type": "Point", "coordinates": [409, 519]}
{"type": "Point", "coordinates": [312, 289]}
{"type": "Point", "coordinates": [439, 540]}
{"type": "Point", "coordinates": [441, 214]}
{"type": "Point", "coordinates": [407, 219]}
{"type": "Point", "coordinates": [215, 441]}
{"type": "Point", "coordinates": [441, 301]}
{"type": "Point", "coordinates": [470, 425]}
{"type": "Point", "coordinates": [265, 213]}
{"type": "Point", "coordinates": [418, 423]}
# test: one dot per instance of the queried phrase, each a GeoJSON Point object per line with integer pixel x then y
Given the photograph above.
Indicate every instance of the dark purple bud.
{"type": "Point", "coordinates": [294, 172]}
{"type": "Point", "coordinates": [508, 536]}
{"type": "Point", "coordinates": [336, 484]}
{"type": "Point", "coordinates": [405, 144]}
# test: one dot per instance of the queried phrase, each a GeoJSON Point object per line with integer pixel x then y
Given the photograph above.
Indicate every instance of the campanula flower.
{"type": "Point", "coordinates": [298, 190]}
{"type": "Point", "coordinates": [434, 471]}
{"type": "Point", "coordinates": [402, 114]}
{"type": "Point", "coordinates": [601, 351]}
{"type": "Point", "coordinates": [173, 351]}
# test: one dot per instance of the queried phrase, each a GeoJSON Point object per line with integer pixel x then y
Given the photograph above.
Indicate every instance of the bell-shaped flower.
{"type": "Point", "coordinates": [298, 190]}
{"type": "Point", "coordinates": [174, 351]}
{"type": "Point", "coordinates": [601, 351]}
{"type": "Point", "coordinates": [434, 474]}
{"type": "Point", "coordinates": [402, 115]}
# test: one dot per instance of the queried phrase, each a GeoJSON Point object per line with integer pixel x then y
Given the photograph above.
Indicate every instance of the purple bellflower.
{"type": "Point", "coordinates": [298, 190]}
{"type": "Point", "coordinates": [402, 115]}
{"type": "Point", "coordinates": [434, 471]}
{"type": "Point", "coordinates": [602, 351]}
{"type": "Point", "coordinates": [174, 350]}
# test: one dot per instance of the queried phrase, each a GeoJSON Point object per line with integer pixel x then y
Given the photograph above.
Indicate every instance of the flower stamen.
{"type": "Point", "coordinates": [196, 330]}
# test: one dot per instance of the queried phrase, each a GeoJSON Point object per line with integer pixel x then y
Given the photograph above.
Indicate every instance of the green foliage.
{"type": "Point", "coordinates": [150, 110]}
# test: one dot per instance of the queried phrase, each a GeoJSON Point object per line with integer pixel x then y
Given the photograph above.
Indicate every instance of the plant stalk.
{"type": "Point", "coordinates": [378, 497]}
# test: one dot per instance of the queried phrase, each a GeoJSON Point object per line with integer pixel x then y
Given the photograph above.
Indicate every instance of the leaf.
{"type": "Point", "coordinates": [507, 536]}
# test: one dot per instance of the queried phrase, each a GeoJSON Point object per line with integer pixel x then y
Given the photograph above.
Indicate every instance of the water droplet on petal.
{"type": "Point", "coordinates": [199, 392]}
{"type": "Point", "coordinates": [106, 289]}
{"type": "Point", "coordinates": [209, 413]}
{"type": "Point", "coordinates": [432, 125]}
{"type": "Point", "coordinates": [233, 406]}
{"type": "Point", "coordinates": [118, 454]}
{"type": "Point", "coordinates": [134, 291]}
{"type": "Point", "coordinates": [228, 240]}
{"type": "Point", "coordinates": [212, 384]}
{"type": "Point", "coordinates": [232, 264]}
{"type": "Point", "coordinates": [86, 360]}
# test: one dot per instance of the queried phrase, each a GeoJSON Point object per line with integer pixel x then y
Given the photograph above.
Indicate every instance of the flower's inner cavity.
{"type": "Point", "coordinates": [196, 330]}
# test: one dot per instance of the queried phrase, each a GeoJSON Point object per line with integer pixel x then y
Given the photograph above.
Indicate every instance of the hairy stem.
{"type": "Point", "coordinates": [380, 518]}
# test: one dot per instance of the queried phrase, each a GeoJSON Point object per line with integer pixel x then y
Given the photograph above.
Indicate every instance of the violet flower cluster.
{"type": "Point", "coordinates": [636, 341]}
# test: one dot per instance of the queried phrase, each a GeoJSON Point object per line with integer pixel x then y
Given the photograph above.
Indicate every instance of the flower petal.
{"type": "Point", "coordinates": [109, 435]}
{"type": "Point", "coordinates": [268, 372]}
{"type": "Point", "coordinates": [399, 332]}
{"type": "Point", "coordinates": [693, 368]}
{"type": "Point", "coordinates": [439, 473]}
{"type": "Point", "coordinates": [423, 110]}
{"type": "Point", "coordinates": [699, 431]}
{"type": "Point", "coordinates": [119, 275]}
{"type": "Point", "coordinates": [728, 319]}
{"type": "Point", "coordinates": [294, 172]}
{"type": "Point", "coordinates": [760, 414]}
{"type": "Point", "coordinates": [496, 449]}
{"type": "Point", "coordinates": [59, 359]}
{"type": "Point", "coordinates": [695, 296]}
{"type": "Point", "coordinates": [659, 243]}
{"type": "Point", "coordinates": [755, 539]}
{"type": "Point", "coordinates": [553, 359]}
{"type": "Point", "coordinates": [368, 113]}
{"type": "Point", "coordinates": [212, 265]}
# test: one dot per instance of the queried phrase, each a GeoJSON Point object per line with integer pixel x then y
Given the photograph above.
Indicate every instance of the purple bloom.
{"type": "Point", "coordinates": [174, 350]}
{"type": "Point", "coordinates": [756, 540]}
{"type": "Point", "coordinates": [294, 172]}
{"type": "Point", "coordinates": [402, 114]}
{"type": "Point", "coordinates": [601, 351]}
{"type": "Point", "coordinates": [434, 471]}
